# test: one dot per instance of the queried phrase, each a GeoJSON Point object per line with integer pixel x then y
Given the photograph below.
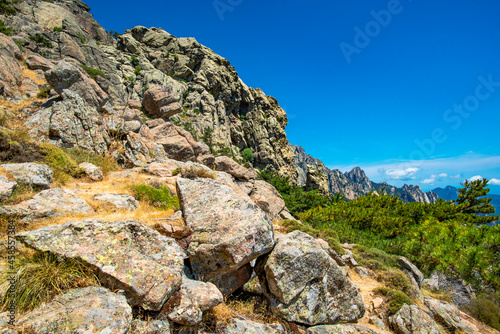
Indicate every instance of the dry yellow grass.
{"type": "Point", "coordinates": [27, 73]}
{"type": "Point", "coordinates": [145, 213]}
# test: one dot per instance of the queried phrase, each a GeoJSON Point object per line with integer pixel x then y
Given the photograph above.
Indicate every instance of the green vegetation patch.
{"type": "Point", "coordinates": [396, 298]}
{"type": "Point", "coordinates": [158, 197]}
{"type": "Point", "coordinates": [6, 8]}
{"type": "Point", "coordinates": [5, 29]}
{"type": "Point", "coordinates": [93, 72]}
{"type": "Point", "coordinates": [79, 155]}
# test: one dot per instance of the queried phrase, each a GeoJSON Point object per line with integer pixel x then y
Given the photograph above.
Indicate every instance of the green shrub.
{"type": "Point", "coordinates": [63, 166]}
{"type": "Point", "coordinates": [396, 298]}
{"type": "Point", "coordinates": [247, 155]}
{"type": "Point", "coordinates": [41, 276]}
{"type": "Point", "coordinates": [6, 9]}
{"type": "Point", "coordinates": [137, 70]}
{"type": "Point", "coordinates": [20, 45]}
{"type": "Point", "coordinates": [395, 279]}
{"type": "Point", "coordinates": [374, 257]}
{"type": "Point", "coordinates": [160, 198]}
{"type": "Point", "coordinates": [5, 29]}
{"type": "Point", "coordinates": [82, 38]}
{"type": "Point", "coordinates": [57, 29]}
{"type": "Point", "coordinates": [106, 163]}
{"type": "Point", "coordinates": [41, 41]}
{"type": "Point", "coordinates": [176, 171]}
{"type": "Point", "coordinates": [134, 61]}
{"type": "Point", "coordinates": [486, 308]}
{"type": "Point", "coordinates": [93, 72]}
{"type": "Point", "coordinates": [330, 236]}
{"type": "Point", "coordinates": [43, 92]}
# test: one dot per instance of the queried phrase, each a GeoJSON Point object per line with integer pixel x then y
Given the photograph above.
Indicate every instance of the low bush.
{"type": "Point", "coordinates": [40, 40]}
{"type": "Point", "coordinates": [63, 166]}
{"type": "Point", "coordinates": [486, 308]}
{"type": "Point", "coordinates": [93, 72]}
{"type": "Point", "coordinates": [5, 29]}
{"type": "Point", "coordinates": [176, 171]}
{"type": "Point", "coordinates": [374, 258]}
{"type": "Point", "coordinates": [43, 92]}
{"type": "Point", "coordinates": [396, 298]}
{"type": "Point", "coordinates": [247, 155]}
{"type": "Point", "coordinates": [41, 276]}
{"type": "Point", "coordinates": [158, 197]}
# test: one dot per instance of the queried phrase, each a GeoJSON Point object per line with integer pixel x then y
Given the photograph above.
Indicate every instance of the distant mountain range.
{"type": "Point", "coordinates": [314, 175]}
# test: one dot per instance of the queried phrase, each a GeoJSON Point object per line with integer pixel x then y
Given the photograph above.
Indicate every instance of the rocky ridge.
{"type": "Point", "coordinates": [313, 174]}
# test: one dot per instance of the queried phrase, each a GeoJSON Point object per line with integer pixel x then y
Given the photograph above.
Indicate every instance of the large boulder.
{"type": "Point", "coordinates": [186, 307]}
{"type": "Point", "coordinates": [305, 285]}
{"type": "Point", "coordinates": [447, 315]}
{"type": "Point", "coordinates": [411, 319]}
{"type": "Point", "coordinates": [10, 70]}
{"type": "Point", "coordinates": [229, 231]}
{"type": "Point", "coordinates": [48, 203]}
{"type": "Point", "coordinates": [72, 122]}
{"type": "Point", "coordinates": [238, 326]}
{"type": "Point", "coordinates": [87, 310]}
{"type": "Point", "coordinates": [36, 176]}
{"type": "Point", "coordinates": [177, 142]}
{"type": "Point", "coordinates": [461, 292]}
{"type": "Point", "coordinates": [340, 329]}
{"type": "Point", "coordinates": [127, 255]}
{"type": "Point", "coordinates": [228, 165]}
{"type": "Point", "coordinates": [150, 327]}
{"type": "Point", "coordinates": [69, 77]}
{"type": "Point", "coordinates": [409, 267]}
{"type": "Point", "coordinates": [37, 62]}
{"type": "Point", "coordinates": [161, 102]}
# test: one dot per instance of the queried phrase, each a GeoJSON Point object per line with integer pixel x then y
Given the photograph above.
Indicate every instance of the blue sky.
{"type": "Point", "coordinates": [408, 90]}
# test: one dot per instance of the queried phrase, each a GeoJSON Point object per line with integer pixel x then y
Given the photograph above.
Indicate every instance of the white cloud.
{"type": "Point", "coordinates": [443, 175]}
{"type": "Point", "coordinates": [475, 178]}
{"type": "Point", "coordinates": [433, 176]}
{"type": "Point", "coordinates": [456, 176]}
{"type": "Point", "coordinates": [402, 174]}
{"type": "Point", "coordinates": [428, 181]}
{"type": "Point", "coordinates": [495, 182]}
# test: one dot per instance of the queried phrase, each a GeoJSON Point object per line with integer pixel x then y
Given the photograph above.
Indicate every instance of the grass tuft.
{"type": "Point", "coordinates": [41, 276]}
{"type": "Point", "coordinates": [396, 298]}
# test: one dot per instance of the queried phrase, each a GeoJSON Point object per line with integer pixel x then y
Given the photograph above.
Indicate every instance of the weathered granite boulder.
{"type": "Point", "coordinates": [305, 285]}
{"type": "Point", "coordinates": [69, 77]}
{"type": "Point", "coordinates": [87, 310]}
{"type": "Point", "coordinates": [92, 171]}
{"type": "Point", "coordinates": [238, 326]}
{"type": "Point", "coordinates": [37, 62]}
{"type": "Point", "coordinates": [447, 315]}
{"type": "Point", "coordinates": [229, 231]}
{"type": "Point", "coordinates": [72, 122]}
{"type": "Point", "coordinates": [340, 329]}
{"type": "Point", "coordinates": [228, 165]}
{"type": "Point", "coordinates": [461, 292]}
{"type": "Point", "coordinates": [268, 199]}
{"type": "Point", "coordinates": [48, 203]}
{"type": "Point", "coordinates": [406, 265]}
{"type": "Point", "coordinates": [10, 70]}
{"type": "Point", "coordinates": [6, 187]}
{"type": "Point", "coordinates": [187, 305]}
{"type": "Point", "coordinates": [411, 319]}
{"type": "Point", "coordinates": [118, 126]}
{"type": "Point", "coordinates": [119, 201]}
{"type": "Point", "coordinates": [161, 102]}
{"type": "Point", "coordinates": [34, 175]}
{"type": "Point", "coordinates": [126, 254]}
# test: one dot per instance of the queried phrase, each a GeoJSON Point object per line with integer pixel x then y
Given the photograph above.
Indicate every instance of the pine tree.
{"type": "Point", "coordinates": [471, 202]}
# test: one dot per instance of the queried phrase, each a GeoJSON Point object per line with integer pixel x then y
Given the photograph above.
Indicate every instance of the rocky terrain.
{"type": "Point", "coordinates": [177, 119]}
{"type": "Point", "coordinates": [313, 174]}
